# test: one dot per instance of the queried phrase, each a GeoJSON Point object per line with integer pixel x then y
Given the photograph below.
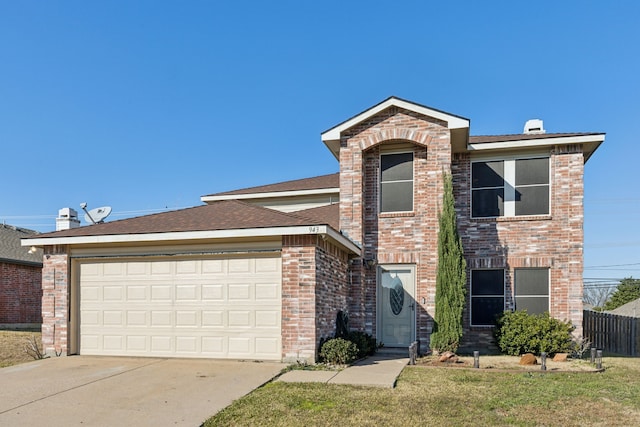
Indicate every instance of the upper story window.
{"type": "Point", "coordinates": [396, 182]}
{"type": "Point", "coordinates": [510, 187]}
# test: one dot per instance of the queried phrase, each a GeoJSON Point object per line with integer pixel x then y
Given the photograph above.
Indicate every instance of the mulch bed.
{"type": "Point", "coordinates": [507, 364]}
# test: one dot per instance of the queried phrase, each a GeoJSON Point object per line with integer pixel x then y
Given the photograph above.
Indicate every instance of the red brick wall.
{"type": "Point", "coordinates": [393, 238]}
{"type": "Point", "coordinates": [332, 287]}
{"type": "Point", "coordinates": [552, 241]}
{"type": "Point", "coordinates": [55, 300]}
{"type": "Point", "coordinates": [314, 289]}
{"type": "Point", "coordinates": [20, 294]}
{"type": "Point", "coordinates": [298, 298]}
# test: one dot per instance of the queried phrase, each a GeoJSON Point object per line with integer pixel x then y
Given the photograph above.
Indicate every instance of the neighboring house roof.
{"type": "Point", "coordinates": [228, 218]}
{"type": "Point", "coordinates": [324, 182]}
{"type": "Point", "coordinates": [10, 249]}
{"type": "Point", "coordinates": [630, 309]}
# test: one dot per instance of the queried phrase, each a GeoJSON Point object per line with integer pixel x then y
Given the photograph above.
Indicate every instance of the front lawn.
{"type": "Point", "coordinates": [449, 396]}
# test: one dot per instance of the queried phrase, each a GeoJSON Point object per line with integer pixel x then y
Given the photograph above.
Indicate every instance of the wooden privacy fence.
{"type": "Point", "coordinates": [612, 333]}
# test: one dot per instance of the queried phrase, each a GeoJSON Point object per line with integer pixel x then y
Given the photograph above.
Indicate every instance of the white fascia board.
{"type": "Point", "coordinates": [341, 239]}
{"type": "Point", "coordinates": [273, 194]}
{"type": "Point", "coordinates": [195, 235]}
{"type": "Point", "coordinates": [528, 143]}
{"type": "Point", "coordinates": [453, 122]}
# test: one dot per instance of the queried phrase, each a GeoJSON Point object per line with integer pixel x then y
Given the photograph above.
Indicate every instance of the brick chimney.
{"type": "Point", "coordinates": [67, 218]}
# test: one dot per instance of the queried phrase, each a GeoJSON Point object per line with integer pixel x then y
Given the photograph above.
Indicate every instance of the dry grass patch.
{"type": "Point", "coordinates": [13, 346]}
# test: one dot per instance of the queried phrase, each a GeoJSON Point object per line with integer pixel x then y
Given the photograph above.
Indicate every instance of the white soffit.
{"type": "Point", "coordinates": [269, 195]}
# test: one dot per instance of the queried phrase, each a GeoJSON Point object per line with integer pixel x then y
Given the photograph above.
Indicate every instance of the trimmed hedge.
{"type": "Point", "coordinates": [338, 351]}
{"type": "Point", "coordinates": [518, 332]}
{"type": "Point", "coordinates": [364, 343]}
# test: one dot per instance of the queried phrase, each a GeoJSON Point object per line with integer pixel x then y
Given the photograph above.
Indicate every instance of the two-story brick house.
{"type": "Point", "coordinates": [262, 272]}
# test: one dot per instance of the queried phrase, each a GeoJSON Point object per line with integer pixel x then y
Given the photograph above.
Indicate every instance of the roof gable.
{"type": "Point", "coordinates": [331, 137]}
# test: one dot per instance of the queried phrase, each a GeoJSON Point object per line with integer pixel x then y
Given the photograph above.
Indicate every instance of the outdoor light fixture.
{"type": "Point", "coordinates": [476, 359]}
{"type": "Point", "coordinates": [599, 359]}
{"type": "Point", "coordinates": [32, 249]}
{"type": "Point", "coordinates": [543, 358]}
{"type": "Point", "coordinates": [593, 355]}
{"type": "Point", "coordinates": [369, 262]}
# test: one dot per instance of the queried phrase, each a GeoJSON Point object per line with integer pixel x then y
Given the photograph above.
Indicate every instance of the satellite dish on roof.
{"type": "Point", "coordinates": [96, 215]}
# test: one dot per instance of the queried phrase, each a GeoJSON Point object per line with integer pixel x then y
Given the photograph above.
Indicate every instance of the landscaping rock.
{"type": "Point", "coordinates": [560, 357]}
{"type": "Point", "coordinates": [528, 359]}
{"type": "Point", "coordinates": [448, 357]}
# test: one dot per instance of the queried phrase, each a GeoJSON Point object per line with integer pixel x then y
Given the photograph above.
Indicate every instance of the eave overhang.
{"type": "Point", "coordinates": [590, 143]}
{"type": "Point", "coordinates": [270, 195]}
{"type": "Point", "coordinates": [20, 262]}
{"type": "Point", "coordinates": [323, 231]}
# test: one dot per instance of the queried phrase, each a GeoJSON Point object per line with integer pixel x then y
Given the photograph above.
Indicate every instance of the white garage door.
{"type": "Point", "coordinates": [217, 308]}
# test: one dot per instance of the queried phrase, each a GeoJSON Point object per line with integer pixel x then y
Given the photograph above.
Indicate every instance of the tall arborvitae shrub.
{"type": "Point", "coordinates": [451, 278]}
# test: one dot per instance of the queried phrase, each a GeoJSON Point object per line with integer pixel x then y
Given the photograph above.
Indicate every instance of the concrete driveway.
{"type": "Point", "coordinates": [111, 391]}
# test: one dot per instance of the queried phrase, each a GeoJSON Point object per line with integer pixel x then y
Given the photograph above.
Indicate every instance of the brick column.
{"type": "Point", "coordinates": [298, 298]}
{"type": "Point", "coordinates": [55, 300]}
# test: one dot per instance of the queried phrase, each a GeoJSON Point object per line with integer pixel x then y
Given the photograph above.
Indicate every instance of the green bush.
{"type": "Point", "coordinates": [518, 332]}
{"type": "Point", "coordinates": [365, 343]}
{"type": "Point", "coordinates": [338, 351]}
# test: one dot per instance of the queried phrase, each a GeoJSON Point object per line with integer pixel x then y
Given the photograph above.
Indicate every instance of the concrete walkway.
{"type": "Point", "coordinates": [380, 370]}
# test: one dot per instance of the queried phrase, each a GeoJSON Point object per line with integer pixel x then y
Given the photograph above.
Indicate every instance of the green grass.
{"type": "Point", "coordinates": [450, 396]}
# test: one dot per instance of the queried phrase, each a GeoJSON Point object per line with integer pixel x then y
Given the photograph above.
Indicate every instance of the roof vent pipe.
{"type": "Point", "coordinates": [533, 126]}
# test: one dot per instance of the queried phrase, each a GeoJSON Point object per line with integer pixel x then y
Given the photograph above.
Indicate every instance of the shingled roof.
{"type": "Point", "coordinates": [630, 309]}
{"type": "Point", "coordinates": [222, 215]}
{"type": "Point", "coordinates": [479, 139]}
{"type": "Point", "coordinates": [10, 249]}
{"type": "Point", "coordinates": [314, 183]}
{"type": "Point", "coordinates": [329, 214]}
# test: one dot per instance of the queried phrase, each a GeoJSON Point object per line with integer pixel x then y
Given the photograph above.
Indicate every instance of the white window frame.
{"type": "Point", "coordinates": [515, 287]}
{"type": "Point", "coordinates": [509, 186]}
{"type": "Point", "coordinates": [471, 295]}
{"type": "Point", "coordinates": [413, 178]}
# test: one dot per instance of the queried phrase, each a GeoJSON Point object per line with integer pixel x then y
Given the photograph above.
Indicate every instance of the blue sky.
{"type": "Point", "coordinates": [148, 105]}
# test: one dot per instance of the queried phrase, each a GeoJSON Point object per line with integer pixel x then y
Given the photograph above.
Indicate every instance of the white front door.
{"type": "Point", "coordinates": [396, 305]}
